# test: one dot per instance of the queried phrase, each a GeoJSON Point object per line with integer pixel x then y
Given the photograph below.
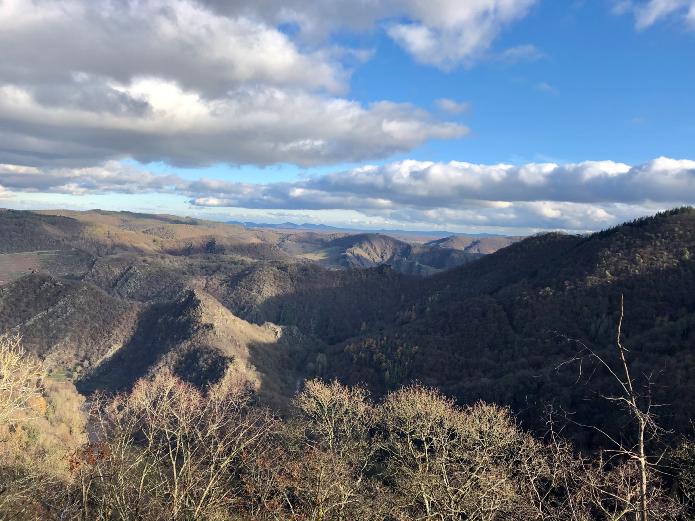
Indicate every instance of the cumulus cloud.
{"type": "Point", "coordinates": [541, 215]}
{"type": "Point", "coordinates": [583, 196]}
{"type": "Point", "coordinates": [447, 33]}
{"type": "Point", "coordinates": [46, 41]}
{"type": "Point", "coordinates": [577, 196]}
{"type": "Point", "coordinates": [452, 106]}
{"type": "Point", "coordinates": [443, 33]}
{"type": "Point", "coordinates": [189, 83]}
{"type": "Point", "coordinates": [259, 125]}
{"type": "Point", "coordinates": [649, 12]}
{"type": "Point", "coordinates": [111, 177]}
{"type": "Point", "coordinates": [428, 185]}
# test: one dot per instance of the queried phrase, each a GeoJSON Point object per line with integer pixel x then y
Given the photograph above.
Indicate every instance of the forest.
{"type": "Point", "coordinates": [169, 450]}
{"type": "Point", "coordinates": [549, 380]}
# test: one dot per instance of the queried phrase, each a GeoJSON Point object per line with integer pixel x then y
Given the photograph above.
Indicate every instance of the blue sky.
{"type": "Point", "coordinates": [332, 111]}
{"type": "Point", "coordinates": [620, 93]}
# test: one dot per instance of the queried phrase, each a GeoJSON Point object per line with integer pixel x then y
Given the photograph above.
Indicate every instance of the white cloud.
{"type": "Point", "coordinates": [583, 196]}
{"type": "Point", "coordinates": [192, 83]}
{"type": "Point", "coordinates": [443, 33]}
{"type": "Point", "coordinates": [578, 196]}
{"type": "Point", "coordinates": [238, 41]}
{"type": "Point", "coordinates": [111, 177]}
{"type": "Point", "coordinates": [259, 125]}
{"type": "Point", "coordinates": [447, 33]}
{"type": "Point", "coordinates": [649, 12]}
{"type": "Point", "coordinates": [181, 41]}
{"type": "Point", "coordinates": [427, 185]}
{"type": "Point", "coordinates": [528, 217]}
{"type": "Point", "coordinates": [453, 107]}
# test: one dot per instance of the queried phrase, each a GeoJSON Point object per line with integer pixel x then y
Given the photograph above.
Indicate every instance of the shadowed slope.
{"type": "Point", "coordinates": [198, 339]}
{"type": "Point", "coordinates": [72, 325]}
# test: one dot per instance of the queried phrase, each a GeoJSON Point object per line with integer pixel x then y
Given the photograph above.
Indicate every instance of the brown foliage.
{"type": "Point", "coordinates": [168, 450]}
{"type": "Point", "coordinates": [20, 378]}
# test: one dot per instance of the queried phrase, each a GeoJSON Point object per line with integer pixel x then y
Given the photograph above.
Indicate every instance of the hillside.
{"type": "Point", "coordinates": [471, 244]}
{"type": "Point", "coordinates": [200, 341]}
{"type": "Point", "coordinates": [97, 234]}
{"type": "Point", "coordinates": [497, 329]}
{"type": "Point", "coordinates": [370, 250]}
{"type": "Point", "coordinates": [330, 305]}
{"type": "Point", "coordinates": [72, 325]}
{"type": "Point", "coordinates": [104, 342]}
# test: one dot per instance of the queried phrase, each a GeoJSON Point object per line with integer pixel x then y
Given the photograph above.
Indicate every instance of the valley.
{"type": "Point", "coordinates": [122, 296]}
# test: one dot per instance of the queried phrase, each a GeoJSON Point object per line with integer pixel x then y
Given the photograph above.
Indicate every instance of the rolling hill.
{"type": "Point", "coordinates": [201, 341]}
{"type": "Point", "coordinates": [138, 294]}
{"type": "Point", "coordinates": [369, 250]}
{"type": "Point", "coordinates": [470, 244]}
{"type": "Point", "coordinates": [100, 234]}
{"type": "Point", "coordinates": [503, 328]}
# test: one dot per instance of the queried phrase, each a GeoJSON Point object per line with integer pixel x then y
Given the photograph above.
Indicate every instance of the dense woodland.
{"type": "Point", "coordinates": [503, 329]}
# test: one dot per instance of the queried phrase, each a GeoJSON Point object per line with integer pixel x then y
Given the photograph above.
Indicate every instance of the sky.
{"type": "Point", "coordinates": [497, 116]}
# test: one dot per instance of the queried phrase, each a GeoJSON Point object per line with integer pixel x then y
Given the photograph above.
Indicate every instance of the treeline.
{"type": "Point", "coordinates": [169, 451]}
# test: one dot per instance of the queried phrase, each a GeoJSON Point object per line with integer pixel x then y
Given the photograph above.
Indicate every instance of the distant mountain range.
{"type": "Point", "coordinates": [433, 234]}
{"type": "Point", "coordinates": [98, 233]}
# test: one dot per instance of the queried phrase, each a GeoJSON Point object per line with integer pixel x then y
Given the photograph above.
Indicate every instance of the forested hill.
{"type": "Point", "coordinates": [499, 328]}
{"type": "Point", "coordinates": [112, 295]}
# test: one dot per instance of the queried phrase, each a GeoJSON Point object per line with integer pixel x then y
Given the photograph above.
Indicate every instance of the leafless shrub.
{"type": "Point", "coordinates": [20, 379]}
{"type": "Point", "coordinates": [167, 451]}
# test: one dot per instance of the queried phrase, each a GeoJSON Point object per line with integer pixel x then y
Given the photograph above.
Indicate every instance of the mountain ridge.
{"type": "Point", "coordinates": [340, 229]}
{"type": "Point", "coordinates": [496, 328]}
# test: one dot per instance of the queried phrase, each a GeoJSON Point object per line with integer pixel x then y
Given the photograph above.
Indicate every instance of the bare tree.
{"type": "Point", "coordinates": [321, 458]}
{"type": "Point", "coordinates": [166, 450]}
{"type": "Point", "coordinates": [642, 417]}
{"type": "Point", "coordinates": [619, 490]}
{"type": "Point", "coordinates": [447, 462]}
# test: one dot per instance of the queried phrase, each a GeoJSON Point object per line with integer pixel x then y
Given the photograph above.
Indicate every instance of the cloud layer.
{"type": "Point", "coordinates": [196, 82]}
{"type": "Point", "coordinates": [85, 84]}
{"type": "Point", "coordinates": [428, 185]}
{"type": "Point", "coordinates": [587, 195]}
{"type": "Point", "coordinates": [256, 125]}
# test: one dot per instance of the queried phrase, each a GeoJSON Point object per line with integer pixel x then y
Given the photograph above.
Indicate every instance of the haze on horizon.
{"type": "Point", "coordinates": [494, 116]}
